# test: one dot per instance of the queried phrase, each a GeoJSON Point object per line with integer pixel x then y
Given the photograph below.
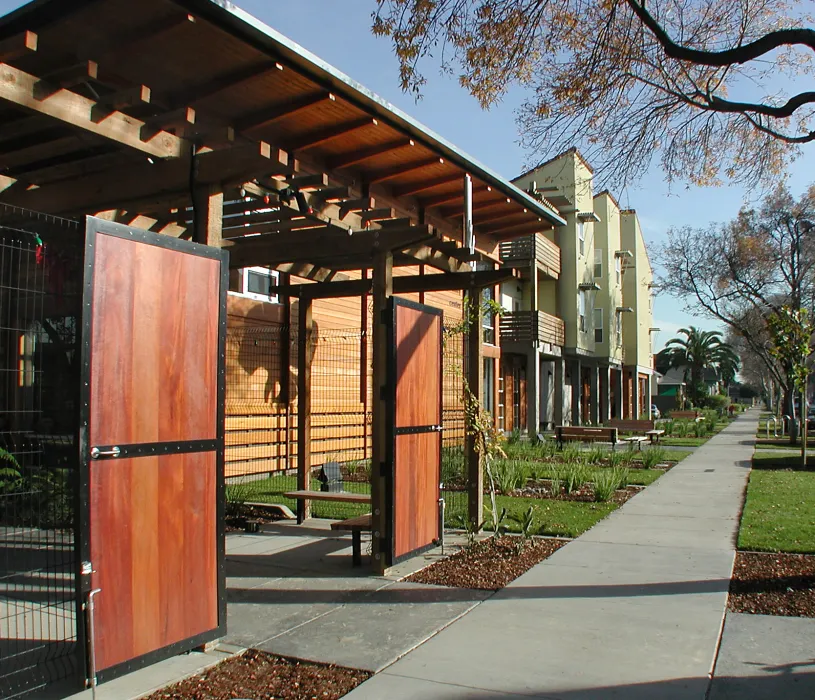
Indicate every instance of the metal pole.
{"type": "Point", "coordinates": [91, 641]}
{"type": "Point", "coordinates": [469, 236]}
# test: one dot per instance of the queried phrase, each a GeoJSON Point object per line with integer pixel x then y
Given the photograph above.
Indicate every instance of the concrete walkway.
{"type": "Point", "coordinates": [633, 609]}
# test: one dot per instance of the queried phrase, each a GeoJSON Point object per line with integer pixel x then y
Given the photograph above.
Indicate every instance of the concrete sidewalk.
{"type": "Point", "coordinates": [632, 609]}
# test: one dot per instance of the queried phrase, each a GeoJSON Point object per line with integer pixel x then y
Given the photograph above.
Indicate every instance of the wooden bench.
{"type": "Point", "coordinates": [357, 525]}
{"type": "Point", "coordinates": [337, 496]}
{"type": "Point", "coordinates": [646, 427]}
{"type": "Point", "coordinates": [684, 415]}
{"type": "Point", "coordinates": [580, 434]}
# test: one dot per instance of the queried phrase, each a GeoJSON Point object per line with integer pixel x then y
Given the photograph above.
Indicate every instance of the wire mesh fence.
{"type": "Point", "coordinates": [40, 301]}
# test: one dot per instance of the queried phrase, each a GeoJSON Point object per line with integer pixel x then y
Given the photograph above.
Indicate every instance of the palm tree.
{"type": "Point", "coordinates": [698, 351]}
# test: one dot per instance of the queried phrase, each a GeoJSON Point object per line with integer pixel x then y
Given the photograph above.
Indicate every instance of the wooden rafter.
{"type": "Point", "coordinates": [427, 255]}
{"type": "Point", "coordinates": [517, 229]}
{"type": "Point", "coordinates": [321, 248]}
{"type": "Point", "coordinates": [16, 46]}
{"type": "Point", "coordinates": [354, 205]}
{"type": "Point", "coordinates": [163, 182]}
{"type": "Point", "coordinates": [269, 115]}
{"type": "Point", "coordinates": [450, 197]}
{"type": "Point", "coordinates": [399, 170]}
{"type": "Point", "coordinates": [324, 135]}
{"type": "Point", "coordinates": [361, 155]}
{"type": "Point", "coordinates": [75, 166]}
{"type": "Point", "coordinates": [66, 77]}
{"type": "Point", "coordinates": [425, 185]}
{"type": "Point", "coordinates": [477, 206]}
{"type": "Point", "coordinates": [19, 89]}
{"type": "Point", "coordinates": [310, 272]}
{"type": "Point", "coordinates": [227, 81]}
{"type": "Point", "coordinates": [377, 215]}
{"type": "Point", "coordinates": [123, 43]}
{"type": "Point", "coordinates": [37, 152]}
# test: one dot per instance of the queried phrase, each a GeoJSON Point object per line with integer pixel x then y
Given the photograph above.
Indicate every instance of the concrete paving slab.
{"type": "Point", "coordinates": [763, 657]}
{"type": "Point", "coordinates": [257, 614]}
{"type": "Point", "coordinates": [395, 687]}
{"type": "Point", "coordinates": [372, 631]}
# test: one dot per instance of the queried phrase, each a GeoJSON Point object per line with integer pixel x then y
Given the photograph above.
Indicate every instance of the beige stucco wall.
{"type": "Point", "coordinates": [637, 294]}
{"type": "Point", "coordinates": [569, 176]}
{"type": "Point", "coordinates": [607, 240]}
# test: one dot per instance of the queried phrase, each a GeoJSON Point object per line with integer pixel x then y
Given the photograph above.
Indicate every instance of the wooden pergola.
{"type": "Point", "coordinates": [192, 119]}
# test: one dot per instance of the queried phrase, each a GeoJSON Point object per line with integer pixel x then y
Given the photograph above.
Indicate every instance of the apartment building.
{"type": "Point", "coordinates": [575, 339]}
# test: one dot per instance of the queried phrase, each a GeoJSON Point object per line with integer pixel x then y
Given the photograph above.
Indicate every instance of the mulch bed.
{"type": "Point", "coordinates": [261, 676]}
{"type": "Point", "coordinates": [585, 494]}
{"type": "Point", "coordinates": [773, 584]}
{"type": "Point", "coordinates": [236, 521]}
{"type": "Point", "coordinates": [488, 565]}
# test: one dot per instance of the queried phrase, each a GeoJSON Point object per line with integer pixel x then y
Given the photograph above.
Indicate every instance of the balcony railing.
{"type": "Point", "coordinates": [537, 247]}
{"type": "Point", "coordinates": [531, 326]}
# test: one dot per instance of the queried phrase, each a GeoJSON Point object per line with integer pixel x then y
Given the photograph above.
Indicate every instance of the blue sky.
{"type": "Point", "coordinates": [339, 32]}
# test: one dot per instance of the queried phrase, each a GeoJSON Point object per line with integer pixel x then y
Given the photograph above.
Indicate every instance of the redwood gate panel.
{"type": "Point", "coordinates": [151, 442]}
{"type": "Point", "coordinates": [416, 378]}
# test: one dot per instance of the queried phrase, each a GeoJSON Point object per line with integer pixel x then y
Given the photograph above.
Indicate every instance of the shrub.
{"type": "Point", "coordinates": [514, 437]}
{"type": "Point", "coordinates": [509, 474]}
{"type": "Point", "coordinates": [555, 482]}
{"type": "Point", "coordinates": [617, 459]}
{"type": "Point", "coordinates": [572, 453]}
{"type": "Point", "coordinates": [700, 429]}
{"type": "Point", "coordinates": [237, 494]}
{"type": "Point", "coordinates": [573, 477]}
{"type": "Point", "coordinates": [681, 428]}
{"type": "Point", "coordinates": [605, 484]}
{"type": "Point", "coordinates": [595, 455]}
{"type": "Point", "coordinates": [653, 456]}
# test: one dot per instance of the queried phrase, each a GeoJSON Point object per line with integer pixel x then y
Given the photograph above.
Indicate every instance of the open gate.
{"type": "Point", "coordinates": [415, 376]}
{"type": "Point", "coordinates": [151, 446]}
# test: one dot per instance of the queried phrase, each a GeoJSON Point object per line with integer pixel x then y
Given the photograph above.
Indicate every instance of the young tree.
{"type": "Point", "coordinates": [791, 331]}
{"type": "Point", "coordinates": [626, 79]}
{"type": "Point", "coordinates": [744, 271]}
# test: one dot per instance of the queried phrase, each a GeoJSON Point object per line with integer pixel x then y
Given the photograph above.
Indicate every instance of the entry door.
{"type": "Point", "coordinates": [416, 378]}
{"type": "Point", "coordinates": [151, 442]}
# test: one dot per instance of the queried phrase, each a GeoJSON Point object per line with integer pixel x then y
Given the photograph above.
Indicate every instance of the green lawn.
{"type": "Point", "coordinates": [778, 511]}
{"type": "Point", "coordinates": [554, 517]}
{"type": "Point", "coordinates": [564, 518]}
{"type": "Point", "coordinates": [684, 441]}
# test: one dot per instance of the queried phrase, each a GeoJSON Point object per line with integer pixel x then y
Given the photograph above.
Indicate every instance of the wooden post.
{"type": "Point", "coordinates": [381, 430]}
{"type": "Point", "coordinates": [208, 220]}
{"type": "Point", "coordinates": [475, 475]}
{"type": "Point", "coordinates": [304, 329]}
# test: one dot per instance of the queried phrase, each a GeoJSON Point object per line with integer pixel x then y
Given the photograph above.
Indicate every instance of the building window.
{"type": "Point", "coordinates": [489, 386]}
{"type": "Point", "coordinates": [488, 319]}
{"type": "Point", "coordinates": [598, 325]}
{"type": "Point", "coordinates": [581, 311]}
{"type": "Point", "coordinates": [581, 237]}
{"type": "Point", "coordinates": [618, 268]}
{"type": "Point", "coordinates": [257, 283]}
{"type": "Point", "coordinates": [618, 328]}
{"type": "Point", "coordinates": [598, 262]}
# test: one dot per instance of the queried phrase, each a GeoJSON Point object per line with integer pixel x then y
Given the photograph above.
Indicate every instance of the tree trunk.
{"type": "Point", "coordinates": [789, 410]}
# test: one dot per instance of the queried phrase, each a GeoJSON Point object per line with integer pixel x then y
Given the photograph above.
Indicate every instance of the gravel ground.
{"type": "Point", "coordinates": [773, 584]}
{"type": "Point", "coordinates": [261, 676]}
{"type": "Point", "coordinates": [488, 565]}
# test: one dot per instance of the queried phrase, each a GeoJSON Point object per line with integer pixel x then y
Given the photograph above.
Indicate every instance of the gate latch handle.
{"type": "Point", "coordinates": [96, 453]}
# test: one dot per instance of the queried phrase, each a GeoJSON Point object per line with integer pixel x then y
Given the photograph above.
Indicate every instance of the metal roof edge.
{"type": "Point", "coordinates": [225, 12]}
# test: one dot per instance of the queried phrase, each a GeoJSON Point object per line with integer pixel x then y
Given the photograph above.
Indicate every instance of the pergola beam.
{"type": "Point", "coordinates": [401, 285]}
{"type": "Point", "coordinates": [69, 108]}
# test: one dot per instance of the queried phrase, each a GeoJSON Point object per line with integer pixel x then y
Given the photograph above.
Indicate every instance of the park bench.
{"type": "Point", "coordinates": [357, 525]}
{"type": "Point", "coordinates": [646, 427]}
{"type": "Point", "coordinates": [684, 415]}
{"type": "Point", "coordinates": [338, 496]}
{"type": "Point", "coordinates": [574, 433]}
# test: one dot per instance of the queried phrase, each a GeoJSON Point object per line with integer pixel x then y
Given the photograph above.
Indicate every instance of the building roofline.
{"type": "Point", "coordinates": [570, 151]}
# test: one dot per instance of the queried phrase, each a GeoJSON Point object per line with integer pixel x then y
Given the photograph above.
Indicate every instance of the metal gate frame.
{"type": "Point", "coordinates": [390, 420]}
{"type": "Point", "coordinates": [83, 543]}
